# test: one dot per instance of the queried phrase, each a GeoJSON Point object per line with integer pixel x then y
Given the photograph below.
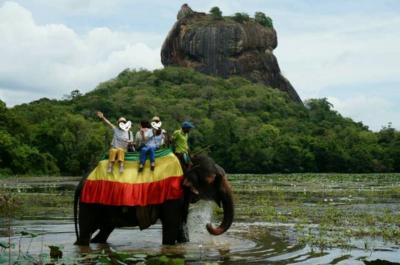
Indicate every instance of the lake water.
{"type": "Point", "coordinates": [267, 233]}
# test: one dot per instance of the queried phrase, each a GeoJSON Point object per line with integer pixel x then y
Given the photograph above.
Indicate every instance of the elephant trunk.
{"type": "Point", "coordinates": [227, 206]}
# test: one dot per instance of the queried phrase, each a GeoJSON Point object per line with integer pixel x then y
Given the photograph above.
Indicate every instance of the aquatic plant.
{"type": "Point", "coordinates": [8, 206]}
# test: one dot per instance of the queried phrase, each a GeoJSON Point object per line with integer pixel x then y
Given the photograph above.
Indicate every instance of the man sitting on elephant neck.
{"type": "Point", "coordinates": [181, 145]}
{"type": "Point", "coordinates": [122, 137]}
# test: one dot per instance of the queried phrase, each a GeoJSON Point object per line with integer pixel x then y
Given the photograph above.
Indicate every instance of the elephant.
{"type": "Point", "coordinates": [204, 181]}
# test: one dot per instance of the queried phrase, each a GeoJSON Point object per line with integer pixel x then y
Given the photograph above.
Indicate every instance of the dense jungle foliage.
{"type": "Point", "coordinates": [247, 127]}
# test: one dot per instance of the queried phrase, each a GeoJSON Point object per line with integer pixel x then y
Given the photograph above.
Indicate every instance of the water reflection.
{"type": "Point", "coordinates": [245, 243]}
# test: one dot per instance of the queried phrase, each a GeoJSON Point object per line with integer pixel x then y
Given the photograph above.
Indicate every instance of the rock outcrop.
{"type": "Point", "coordinates": [225, 47]}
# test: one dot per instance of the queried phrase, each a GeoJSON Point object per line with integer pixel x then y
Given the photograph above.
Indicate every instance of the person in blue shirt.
{"type": "Point", "coordinates": [153, 139]}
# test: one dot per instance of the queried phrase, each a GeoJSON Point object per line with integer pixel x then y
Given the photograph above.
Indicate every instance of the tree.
{"type": "Point", "coordinates": [241, 17]}
{"type": "Point", "coordinates": [263, 20]}
{"type": "Point", "coordinates": [73, 95]}
{"type": "Point", "coordinates": [216, 12]}
{"type": "Point", "coordinates": [249, 128]}
{"type": "Point", "coordinates": [20, 158]}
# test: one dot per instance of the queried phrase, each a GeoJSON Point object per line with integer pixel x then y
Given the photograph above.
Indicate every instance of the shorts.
{"type": "Point", "coordinates": [116, 154]}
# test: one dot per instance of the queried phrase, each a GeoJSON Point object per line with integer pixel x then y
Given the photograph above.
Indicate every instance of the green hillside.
{"type": "Point", "coordinates": [249, 128]}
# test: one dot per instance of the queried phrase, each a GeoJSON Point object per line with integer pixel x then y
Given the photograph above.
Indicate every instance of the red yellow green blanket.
{"type": "Point", "coordinates": [133, 188]}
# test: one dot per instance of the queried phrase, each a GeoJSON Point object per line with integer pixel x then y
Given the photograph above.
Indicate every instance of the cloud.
{"type": "Point", "coordinates": [51, 60]}
{"type": "Point", "coordinates": [77, 7]}
{"type": "Point", "coordinates": [352, 59]}
{"type": "Point", "coordinates": [339, 50]}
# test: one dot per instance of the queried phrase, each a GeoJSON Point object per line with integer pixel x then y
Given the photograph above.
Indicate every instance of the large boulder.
{"type": "Point", "coordinates": [225, 47]}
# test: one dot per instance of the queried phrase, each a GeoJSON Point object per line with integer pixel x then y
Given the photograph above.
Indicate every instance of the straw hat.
{"type": "Point", "coordinates": [121, 119]}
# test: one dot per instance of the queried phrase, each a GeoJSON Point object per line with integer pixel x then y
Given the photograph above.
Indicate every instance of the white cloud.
{"type": "Point", "coordinates": [339, 51]}
{"type": "Point", "coordinates": [51, 60]}
{"type": "Point", "coordinates": [377, 111]}
{"type": "Point", "coordinates": [353, 60]}
{"type": "Point", "coordinates": [79, 7]}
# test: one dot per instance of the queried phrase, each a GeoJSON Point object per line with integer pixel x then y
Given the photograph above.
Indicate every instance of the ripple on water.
{"type": "Point", "coordinates": [244, 243]}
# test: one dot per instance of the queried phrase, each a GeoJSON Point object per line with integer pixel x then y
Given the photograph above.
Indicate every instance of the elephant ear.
{"type": "Point", "coordinates": [192, 176]}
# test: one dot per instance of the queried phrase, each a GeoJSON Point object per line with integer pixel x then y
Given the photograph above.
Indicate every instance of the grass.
{"type": "Point", "coordinates": [328, 210]}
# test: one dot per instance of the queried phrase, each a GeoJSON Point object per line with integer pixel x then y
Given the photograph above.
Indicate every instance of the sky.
{"type": "Point", "coordinates": [346, 51]}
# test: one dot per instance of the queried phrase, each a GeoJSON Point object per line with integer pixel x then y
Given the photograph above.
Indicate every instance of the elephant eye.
{"type": "Point", "coordinates": [210, 178]}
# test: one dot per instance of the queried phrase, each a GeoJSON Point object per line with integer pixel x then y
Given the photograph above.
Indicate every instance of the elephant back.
{"type": "Point", "coordinates": [134, 188]}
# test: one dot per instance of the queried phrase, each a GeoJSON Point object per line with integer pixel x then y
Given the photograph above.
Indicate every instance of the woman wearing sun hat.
{"type": "Point", "coordinates": [152, 139]}
{"type": "Point", "coordinates": [122, 137]}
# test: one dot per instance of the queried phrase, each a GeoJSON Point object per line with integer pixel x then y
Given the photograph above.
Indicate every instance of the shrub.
{"type": "Point", "coordinates": [235, 118]}
{"type": "Point", "coordinates": [241, 17]}
{"type": "Point", "coordinates": [263, 20]}
{"type": "Point", "coordinates": [216, 12]}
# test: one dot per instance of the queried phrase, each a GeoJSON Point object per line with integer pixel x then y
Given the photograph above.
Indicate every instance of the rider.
{"type": "Point", "coordinates": [181, 146]}
{"type": "Point", "coordinates": [122, 137]}
{"type": "Point", "coordinates": [152, 139]}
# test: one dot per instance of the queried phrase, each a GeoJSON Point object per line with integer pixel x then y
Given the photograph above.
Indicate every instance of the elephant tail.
{"type": "Point", "coordinates": [76, 205]}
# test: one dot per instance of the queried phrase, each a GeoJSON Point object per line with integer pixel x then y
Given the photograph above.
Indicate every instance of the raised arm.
{"type": "Point", "coordinates": [101, 116]}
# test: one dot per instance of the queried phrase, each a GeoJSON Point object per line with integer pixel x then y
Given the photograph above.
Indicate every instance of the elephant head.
{"type": "Point", "coordinates": [206, 180]}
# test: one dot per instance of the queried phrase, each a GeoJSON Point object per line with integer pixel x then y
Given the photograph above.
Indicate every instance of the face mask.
{"type": "Point", "coordinates": [125, 125]}
{"type": "Point", "coordinates": [156, 125]}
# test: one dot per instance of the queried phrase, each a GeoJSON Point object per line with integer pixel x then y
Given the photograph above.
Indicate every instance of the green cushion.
{"type": "Point", "coordinates": [134, 156]}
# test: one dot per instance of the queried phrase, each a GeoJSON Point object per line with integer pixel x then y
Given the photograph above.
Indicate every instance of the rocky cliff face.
{"type": "Point", "coordinates": [225, 47]}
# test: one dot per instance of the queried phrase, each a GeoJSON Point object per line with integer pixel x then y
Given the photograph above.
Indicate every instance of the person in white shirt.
{"type": "Point", "coordinates": [152, 139]}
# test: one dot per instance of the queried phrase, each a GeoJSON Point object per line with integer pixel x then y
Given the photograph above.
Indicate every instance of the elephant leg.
{"type": "Point", "coordinates": [85, 233]}
{"type": "Point", "coordinates": [183, 233]}
{"type": "Point", "coordinates": [171, 218]}
{"type": "Point", "coordinates": [87, 225]}
{"type": "Point", "coordinates": [103, 235]}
